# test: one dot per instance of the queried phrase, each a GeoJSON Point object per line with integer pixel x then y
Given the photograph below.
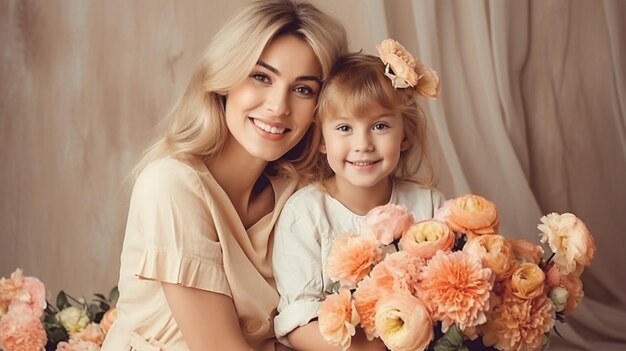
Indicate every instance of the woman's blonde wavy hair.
{"type": "Point", "coordinates": [356, 83]}
{"type": "Point", "coordinates": [196, 126]}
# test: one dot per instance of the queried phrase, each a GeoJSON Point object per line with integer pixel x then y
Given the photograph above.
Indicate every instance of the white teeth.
{"type": "Point", "coordinates": [267, 128]}
{"type": "Point", "coordinates": [363, 163]}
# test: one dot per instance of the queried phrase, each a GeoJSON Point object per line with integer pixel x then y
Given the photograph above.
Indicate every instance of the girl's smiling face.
{"type": "Point", "coordinates": [271, 110]}
{"type": "Point", "coordinates": [363, 150]}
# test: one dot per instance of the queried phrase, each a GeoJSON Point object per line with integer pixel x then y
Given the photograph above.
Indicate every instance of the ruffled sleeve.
{"type": "Point", "coordinates": [171, 213]}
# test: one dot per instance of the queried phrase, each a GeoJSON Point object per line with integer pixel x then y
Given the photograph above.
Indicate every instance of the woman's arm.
{"type": "Point", "coordinates": [207, 320]}
{"type": "Point", "coordinates": [309, 338]}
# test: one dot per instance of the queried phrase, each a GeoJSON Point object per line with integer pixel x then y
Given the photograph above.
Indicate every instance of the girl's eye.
{"type": "Point", "coordinates": [343, 128]}
{"type": "Point", "coordinates": [379, 126]}
{"type": "Point", "coordinates": [261, 77]}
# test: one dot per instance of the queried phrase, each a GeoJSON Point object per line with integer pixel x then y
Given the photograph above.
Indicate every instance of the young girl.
{"type": "Point", "coordinates": [371, 142]}
{"type": "Point", "coordinates": [195, 266]}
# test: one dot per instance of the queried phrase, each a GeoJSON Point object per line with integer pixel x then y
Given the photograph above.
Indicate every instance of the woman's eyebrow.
{"type": "Point", "coordinates": [277, 72]}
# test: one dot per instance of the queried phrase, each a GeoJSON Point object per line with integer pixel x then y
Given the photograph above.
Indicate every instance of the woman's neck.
{"type": "Point", "coordinates": [357, 199]}
{"type": "Point", "coordinates": [240, 176]}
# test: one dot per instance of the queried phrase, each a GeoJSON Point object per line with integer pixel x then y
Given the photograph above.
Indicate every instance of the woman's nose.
{"type": "Point", "coordinates": [277, 102]}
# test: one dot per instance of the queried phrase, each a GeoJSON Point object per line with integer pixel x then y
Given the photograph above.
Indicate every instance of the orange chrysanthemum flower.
{"type": "Point", "coordinates": [517, 324]}
{"type": "Point", "coordinates": [456, 288]}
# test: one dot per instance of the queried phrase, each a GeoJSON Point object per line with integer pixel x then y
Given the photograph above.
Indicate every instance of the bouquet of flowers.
{"type": "Point", "coordinates": [29, 323]}
{"type": "Point", "coordinates": [454, 283]}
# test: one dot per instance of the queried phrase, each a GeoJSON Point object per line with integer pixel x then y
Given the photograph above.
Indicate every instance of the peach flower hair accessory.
{"type": "Point", "coordinates": [404, 71]}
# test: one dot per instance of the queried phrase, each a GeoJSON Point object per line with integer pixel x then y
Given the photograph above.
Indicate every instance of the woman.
{"type": "Point", "coordinates": [196, 263]}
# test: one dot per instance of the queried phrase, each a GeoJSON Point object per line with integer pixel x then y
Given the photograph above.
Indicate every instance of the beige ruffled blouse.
{"type": "Point", "coordinates": [183, 229]}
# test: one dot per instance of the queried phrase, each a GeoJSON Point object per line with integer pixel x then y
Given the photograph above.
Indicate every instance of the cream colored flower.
{"type": "Point", "coordinates": [425, 238]}
{"type": "Point", "coordinates": [427, 82]}
{"type": "Point", "coordinates": [399, 64]}
{"type": "Point", "coordinates": [569, 239]}
{"type": "Point", "coordinates": [559, 297]}
{"type": "Point", "coordinates": [338, 319]}
{"type": "Point", "coordinates": [403, 322]}
{"type": "Point", "coordinates": [73, 319]}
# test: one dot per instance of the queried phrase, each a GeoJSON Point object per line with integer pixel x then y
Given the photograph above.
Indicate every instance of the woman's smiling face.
{"type": "Point", "coordinates": [271, 110]}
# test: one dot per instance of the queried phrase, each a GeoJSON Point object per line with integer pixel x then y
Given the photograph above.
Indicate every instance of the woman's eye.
{"type": "Point", "coordinates": [379, 126]}
{"type": "Point", "coordinates": [261, 77]}
{"type": "Point", "coordinates": [304, 90]}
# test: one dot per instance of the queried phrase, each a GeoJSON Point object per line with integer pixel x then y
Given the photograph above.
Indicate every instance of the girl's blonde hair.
{"type": "Point", "coordinates": [356, 83]}
{"type": "Point", "coordinates": [196, 126]}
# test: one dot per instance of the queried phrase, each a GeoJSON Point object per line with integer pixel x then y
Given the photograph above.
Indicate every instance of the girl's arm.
{"type": "Point", "coordinates": [308, 338]}
{"type": "Point", "coordinates": [207, 320]}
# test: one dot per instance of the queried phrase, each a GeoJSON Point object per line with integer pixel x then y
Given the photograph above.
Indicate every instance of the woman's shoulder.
{"type": "Point", "coordinates": [166, 174]}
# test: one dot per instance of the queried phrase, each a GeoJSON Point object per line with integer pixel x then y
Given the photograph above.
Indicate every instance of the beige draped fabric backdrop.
{"type": "Point", "coordinates": [532, 116]}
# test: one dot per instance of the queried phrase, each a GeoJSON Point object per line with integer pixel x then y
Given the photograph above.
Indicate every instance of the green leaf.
{"type": "Point", "coordinates": [114, 294]}
{"type": "Point", "coordinates": [62, 301]}
{"type": "Point", "coordinates": [100, 296]}
{"type": "Point", "coordinates": [56, 333]}
{"type": "Point", "coordinates": [452, 340]}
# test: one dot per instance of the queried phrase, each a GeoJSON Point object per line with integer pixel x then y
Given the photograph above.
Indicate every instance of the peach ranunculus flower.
{"type": "Point", "coordinates": [427, 82]}
{"type": "Point", "coordinates": [525, 251]}
{"type": "Point", "coordinates": [21, 329]}
{"type": "Point", "coordinates": [527, 281]}
{"type": "Point", "coordinates": [398, 272]}
{"type": "Point", "coordinates": [352, 257]}
{"type": "Point", "coordinates": [92, 333]}
{"type": "Point", "coordinates": [470, 214]}
{"type": "Point", "coordinates": [571, 283]}
{"type": "Point", "coordinates": [456, 288]}
{"type": "Point", "coordinates": [399, 64]}
{"type": "Point", "coordinates": [20, 289]}
{"type": "Point", "coordinates": [517, 324]}
{"type": "Point", "coordinates": [338, 319]}
{"type": "Point", "coordinates": [107, 319]}
{"type": "Point", "coordinates": [425, 238]}
{"type": "Point", "coordinates": [569, 239]}
{"type": "Point", "coordinates": [403, 322]}
{"type": "Point", "coordinates": [494, 251]}
{"type": "Point", "coordinates": [387, 223]}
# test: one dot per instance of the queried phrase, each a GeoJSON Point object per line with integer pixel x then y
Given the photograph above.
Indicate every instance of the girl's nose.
{"type": "Point", "coordinates": [363, 142]}
{"type": "Point", "coordinates": [277, 102]}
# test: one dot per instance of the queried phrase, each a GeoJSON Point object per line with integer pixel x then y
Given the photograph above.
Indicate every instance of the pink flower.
{"type": "Point", "coordinates": [424, 238]}
{"type": "Point", "coordinates": [387, 223]}
{"type": "Point", "coordinates": [107, 320]}
{"type": "Point", "coordinates": [456, 288]}
{"type": "Point", "coordinates": [570, 283]}
{"type": "Point", "coordinates": [366, 297]}
{"type": "Point", "coordinates": [493, 250]}
{"type": "Point", "coordinates": [352, 258]}
{"type": "Point", "coordinates": [569, 239]}
{"type": "Point", "coordinates": [517, 324]}
{"type": "Point", "coordinates": [21, 329]}
{"type": "Point", "coordinates": [20, 289]}
{"type": "Point", "coordinates": [9, 288]}
{"type": "Point", "coordinates": [403, 322]}
{"type": "Point", "coordinates": [470, 214]}
{"type": "Point", "coordinates": [338, 318]}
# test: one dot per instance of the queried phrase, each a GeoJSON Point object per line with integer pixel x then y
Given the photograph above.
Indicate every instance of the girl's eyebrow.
{"type": "Point", "coordinates": [277, 72]}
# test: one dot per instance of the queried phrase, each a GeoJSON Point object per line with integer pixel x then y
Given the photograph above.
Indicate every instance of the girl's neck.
{"type": "Point", "coordinates": [359, 200]}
